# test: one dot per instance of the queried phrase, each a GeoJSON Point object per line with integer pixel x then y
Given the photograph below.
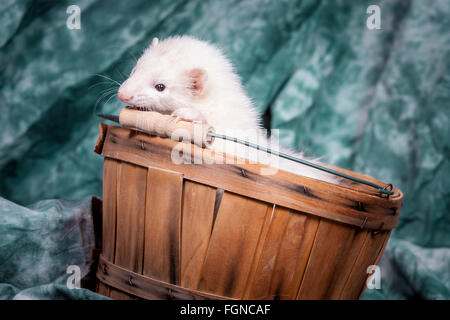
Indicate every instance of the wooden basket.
{"type": "Point", "coordinates": [225, 232]}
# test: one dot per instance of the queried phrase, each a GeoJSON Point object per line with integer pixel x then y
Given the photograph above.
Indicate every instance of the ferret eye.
{"type": "Point", "coordinates": [160, 87]}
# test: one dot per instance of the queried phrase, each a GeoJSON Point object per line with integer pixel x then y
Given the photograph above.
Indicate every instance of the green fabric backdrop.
{"type": "Point", "coordinates": [373, 101]}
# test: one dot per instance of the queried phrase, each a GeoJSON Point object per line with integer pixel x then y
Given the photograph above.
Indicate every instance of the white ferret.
{"type": "Point", "coordinates": [193, 80]}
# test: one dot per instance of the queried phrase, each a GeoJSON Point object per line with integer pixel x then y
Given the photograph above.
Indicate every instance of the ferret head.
{"type": "Point", "coordinates": [177, 72]}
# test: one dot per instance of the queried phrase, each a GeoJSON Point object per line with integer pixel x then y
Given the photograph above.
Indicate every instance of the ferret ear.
{"type": "Point", "coordinates": [155, 42]}
{"type": "Point", "coordinates": [197, 81]}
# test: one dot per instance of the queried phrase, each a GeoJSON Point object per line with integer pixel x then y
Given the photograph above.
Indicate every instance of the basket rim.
{"type": "Point", "coordinates": [365, 207]}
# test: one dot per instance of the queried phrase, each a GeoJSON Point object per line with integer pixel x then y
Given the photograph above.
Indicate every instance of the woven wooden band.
{"type": "Point", "coordinates": [146, 287]}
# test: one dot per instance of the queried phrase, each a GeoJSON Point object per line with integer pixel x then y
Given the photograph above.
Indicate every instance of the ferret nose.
{"type": "Point", "coordinates": [124, 97]}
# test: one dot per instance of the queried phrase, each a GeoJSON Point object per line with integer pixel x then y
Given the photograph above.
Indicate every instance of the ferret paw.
{"type": "Point", "coordinates": [189, 114]}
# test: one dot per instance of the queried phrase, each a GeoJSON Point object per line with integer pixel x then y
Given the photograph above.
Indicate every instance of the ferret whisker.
{"type": "Point", "coordinates": [123, 76]}
{"type": "Point", "coordinates": [103, 96]}
{"type": "Point", "coordinates": [133, 57]}
{"type": "Point", "coordinates": [101, 83]}
{"type": "Point", "coordinates": [108, 90]}
{"type": "Point", "coordinates": [117, 104]}
{"type": "Point", "coordinates": [113, 95]}
{"type": "Point", "coordinates": [99, 99]}
{"type": "Point", "coordinates": [108, 78]}
{"type": "Point", "coordinates": [96, 105]}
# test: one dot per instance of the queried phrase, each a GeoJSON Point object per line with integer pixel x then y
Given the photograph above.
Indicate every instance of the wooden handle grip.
{"type": "Point", "coordinates": [166, 126]}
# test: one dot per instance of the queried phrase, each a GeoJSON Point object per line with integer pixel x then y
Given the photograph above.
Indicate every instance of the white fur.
{"type": "Point", "coordinates": [222, 101]}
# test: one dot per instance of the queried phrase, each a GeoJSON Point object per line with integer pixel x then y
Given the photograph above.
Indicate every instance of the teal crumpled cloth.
{"type": "Point", "coordinates": [373, 101]}
{"type": "Point", "coordinates": [41, 244]}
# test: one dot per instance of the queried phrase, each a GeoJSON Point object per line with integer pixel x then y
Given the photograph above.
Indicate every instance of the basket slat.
{"type": "Point", "coordinates": [371, 251]}
{"type": "Point", "coordinates": [130, 216]}
{"type": "Point", "coordinates": [131, 184]}
{"type": "Point", "coordinates": [198, 216]}
{"type": "Point", "coordinates": [256, 281]}
{"type": "Point", "coordinates": [280, 266]}
{"type": "Point", "coordinates": [334, 253]}
{"type": "Point", "coordinates": [226, 268]}
{"type": "Point", "coordinates": [109, 214]}
{"type": "Point", "coordinates": [162, 225]}
{"type": "Point", "coordinates": [261, 286]}
{"type": "Point", "coordinates": [297, 237]}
